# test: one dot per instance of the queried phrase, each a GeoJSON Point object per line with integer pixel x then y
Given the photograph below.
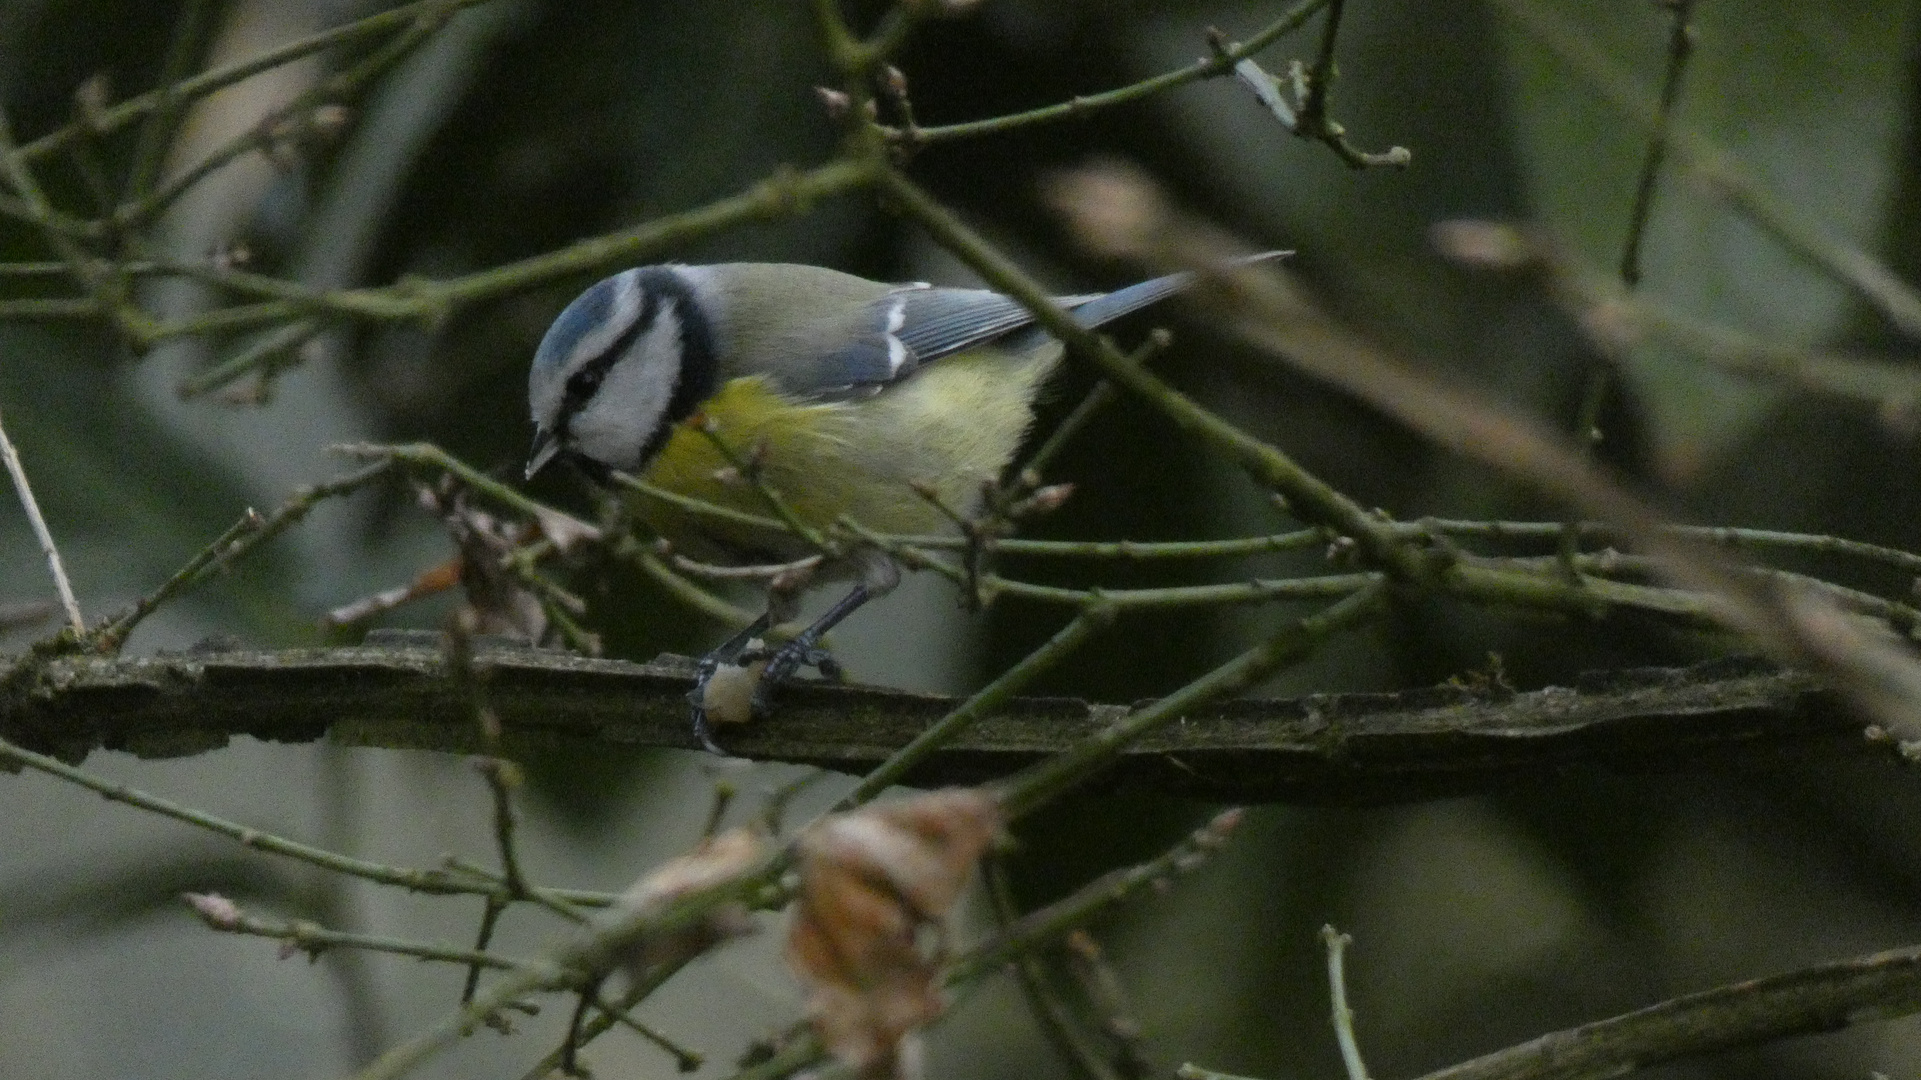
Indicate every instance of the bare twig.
{"type": "Point", "coordinates": [1101, 984]}
{"type": "Point", "coordinates": [156, 129]}
{"type": "Point", "coordinates": [1288, 22]}
{"type": "Point", "coordinates": [1791, 625]}
{"type": "Point", "coordinates": [434, 882]}
{"type": "Point", "coordinates": [1718, 172]}
{"type": "Point", "coordinates": [297, 935]}
{"type": "Point", "coordinates": [1828, 997]}
{"type": "Point", "coordinates": [40, 532]}
{"type": "Point", "coordinates": [243, 536]}
{"type": "Point", "coordinates": [1052, 1013]}
{"type": "Point", "coordinates": [1306, 116]}
{"type": "Point", "coordinates": [1680, 47]}
{"type": "Point", "coordinates": [116, 117]}
{"type": "Point", "coordinates": [1337, 944]}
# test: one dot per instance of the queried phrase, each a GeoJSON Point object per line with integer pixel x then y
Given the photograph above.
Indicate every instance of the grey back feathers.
{"type": "Point", "coordinates": [638, 352]}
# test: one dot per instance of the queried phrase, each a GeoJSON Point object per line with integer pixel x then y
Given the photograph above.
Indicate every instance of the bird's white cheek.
{"type": "Point", "coordinates": [615, 426]}
{"type": "Point", "coordinates": [607, 436]}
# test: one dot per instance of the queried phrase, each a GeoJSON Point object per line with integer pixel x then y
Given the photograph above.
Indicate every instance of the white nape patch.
{"type": "Point", "coordinates": [617, 423]}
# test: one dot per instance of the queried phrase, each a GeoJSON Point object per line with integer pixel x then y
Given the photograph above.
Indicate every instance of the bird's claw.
{"type": "Point", "coordinates": [782, 664]}
{"type": "Point", "coordinates": [697, 704]}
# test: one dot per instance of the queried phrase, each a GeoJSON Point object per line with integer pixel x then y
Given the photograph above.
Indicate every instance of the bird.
{"type": "Point", "coordinates": [893, 405]}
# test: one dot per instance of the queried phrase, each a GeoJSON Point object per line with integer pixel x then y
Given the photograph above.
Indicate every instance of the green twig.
{"type": "Point", "coordinates": [1053, 1015]}
{"type": "Point", "coordinates": [18, 473]}
{"type": "Point", "coordinates": [685, 1060]}
{"type": "Point", "coordinates": [103, 282]}
{"type": "Point", "coordinates": [595, 952]}
{"type": "Point", "coordinates": [1718, 172]}
{"type": "Point", "coordinates": [266, 351]}
{"type": "Point", "coordinates": [1307, 117]}
{"type": "Point", "coordinates": [1219, 65]}
{"type": "Point", "coordinates": [1096, 616]}
{"type": "Point", "coordinates": [313, 939]}
{"type": "Point", "coordinates": [1680, 47]}
{"type": "Point", "coordinates": [677, 586]}
{"type": "Point", "coordinates": [243, 536]}
{"type": "Point", "coordinates": [199, 86]}
{"type": "Point", "coordinates": [1043, 782]}
{"type": "Point", "coordinates": [751, 473]}
{"type": "Point", "coordinates": [1343, 1016]}
{"type": "Point", "coordinates": [489, 922]}
{"type": "Point", "coordinates": [281, 122]}
{"type": "Point", "coordinates": [432, 882]}
{"type": "Point", "coordinates": [157, 127]}
{"type": "Point", "coordinates": [1048, 924]}
{"type": "Point", "coordinates": [599, 1025]}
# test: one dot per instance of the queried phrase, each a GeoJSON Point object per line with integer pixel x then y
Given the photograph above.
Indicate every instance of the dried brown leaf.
{"type": "Point", "coordinates": [718, 859]}
{"type": "Point", "coordinates": [871, 882]}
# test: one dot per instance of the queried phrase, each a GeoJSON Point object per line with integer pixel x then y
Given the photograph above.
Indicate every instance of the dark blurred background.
{"type": "Point", "coordinates": [526, 125]}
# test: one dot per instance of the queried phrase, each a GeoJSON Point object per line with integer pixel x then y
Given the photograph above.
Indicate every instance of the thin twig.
{"type": "Point", "coordinates": [1295, 641]}
{"type": "Point", "coordinates": [279, 124]}
{"type": "Point", "coordinates": [1343, 1016]}
{"type": "Point", "coordinates": [243, 536]}
{"type": "Point", "coordinates": [1049, 923]}
{"type": "Point", "coordinates": [433, 882]}
{"type": "Point", "coordinates": [208, 82]}
{"type": "Point", "coordinates": [1712, 168]}
{"type": "Point", "coordinates": [40, 532]}
{"type": "Point", "coordinates": [1680, 47]}
{"type": "Point", "coordinates": [1307, 117]}
{"type": "Point", "coordinates": [489, 922]}
{"type": "Point", "coordinates": [604, 1021]}
{"type": "Point", "coordinates": [502, 776]}
{"type": "Point", "coordinates": [685, 1060]}
{"type": "Point", "coordinates": [1087, 962]}
{"type": "Point", "coordinates": [1289, 21]}
{"type": "Point", "coordinates": [313, 939]}
{"type": "Point", "coordinates": [1828, 997]}
{"type": "Point", "coordinates": [983, 703]}
{"type": "Point", "coordinates": [751, 473]}
{"type": "Point", "coordinates": [156, 129]}
{"type": "Point", "coordinates": [1052, 1013]}
{"type": "Point", "coordinates": [595, 951]}
{"type": "Point", "coordinates": [104, 282]}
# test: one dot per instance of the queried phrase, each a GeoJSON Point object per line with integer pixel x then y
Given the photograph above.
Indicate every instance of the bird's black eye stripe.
{"type": "Point", "coordinates": [585, 382]}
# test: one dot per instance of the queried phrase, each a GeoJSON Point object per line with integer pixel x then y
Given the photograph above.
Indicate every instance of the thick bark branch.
{"type": "Point", "coordinates": [1347, 748]}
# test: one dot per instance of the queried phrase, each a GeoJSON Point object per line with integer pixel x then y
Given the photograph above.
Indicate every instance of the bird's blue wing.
{"type": "Point", "coordinates": [895, 335]}
{"type": "Point", "coordinates": [942, 322]}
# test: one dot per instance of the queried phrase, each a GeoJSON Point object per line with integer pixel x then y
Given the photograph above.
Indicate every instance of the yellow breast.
{"type": "Point", "coordinates": [954, 425]}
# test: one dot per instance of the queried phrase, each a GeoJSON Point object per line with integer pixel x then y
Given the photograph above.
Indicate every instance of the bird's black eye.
{"type": "Point", "coordinates": [584, 382]}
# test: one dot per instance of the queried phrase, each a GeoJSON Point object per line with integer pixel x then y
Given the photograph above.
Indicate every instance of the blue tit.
{"type": "Point", "coordinates": [849, 393]}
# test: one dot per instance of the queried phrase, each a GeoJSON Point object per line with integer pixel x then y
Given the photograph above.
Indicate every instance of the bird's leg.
{"type": "Point", "coordinates": [879, 574]}
{"type": "Point", "coordinates": [805, 650]}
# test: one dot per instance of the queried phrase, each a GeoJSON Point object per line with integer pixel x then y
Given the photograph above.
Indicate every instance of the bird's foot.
{"type": "Point", "coordinates": [734, 689]}
{"type": "Point", "coordinates": [784, 663]}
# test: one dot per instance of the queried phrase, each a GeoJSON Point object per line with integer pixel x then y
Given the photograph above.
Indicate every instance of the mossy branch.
{"type": "Point", "coordinates": [1341, 748]}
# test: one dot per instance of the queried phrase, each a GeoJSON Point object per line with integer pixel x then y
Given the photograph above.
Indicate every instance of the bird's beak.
{"type": "Point", "coordinates": [545, 447]}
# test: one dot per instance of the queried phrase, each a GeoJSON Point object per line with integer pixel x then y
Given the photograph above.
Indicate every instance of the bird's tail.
{"type": "Point", "coordinates": [1099, 309]}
